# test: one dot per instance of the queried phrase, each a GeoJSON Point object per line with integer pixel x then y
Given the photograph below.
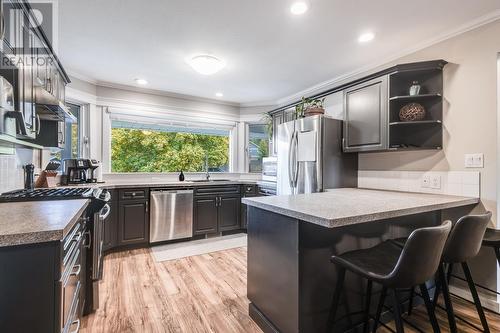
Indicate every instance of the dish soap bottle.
{"type": "Point", "coordinates": [181, 176]}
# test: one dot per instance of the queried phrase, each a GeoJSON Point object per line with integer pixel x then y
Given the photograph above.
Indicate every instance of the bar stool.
{"type": "Point", "coordinates": [394, 268]}
{"type": "Point", "coordinates": [492, 239]}
{"type": "Point", "coordinates": [462, 245]}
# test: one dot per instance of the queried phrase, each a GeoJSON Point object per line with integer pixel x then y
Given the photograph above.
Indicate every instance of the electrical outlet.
{"type": "Point", "coordinates": [474, 160]}
{"type": "Point", "coordinates": [426, 181]}
{"type": "Point", "coordinates": [435, 182]}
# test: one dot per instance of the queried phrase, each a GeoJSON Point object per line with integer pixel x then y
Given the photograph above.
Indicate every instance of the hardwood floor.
{"type": "Point", "coordinates": [205, 293]}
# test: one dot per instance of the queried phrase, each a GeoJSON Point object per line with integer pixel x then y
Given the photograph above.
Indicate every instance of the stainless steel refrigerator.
{"type": "Point", "coordinates": [310, 157]}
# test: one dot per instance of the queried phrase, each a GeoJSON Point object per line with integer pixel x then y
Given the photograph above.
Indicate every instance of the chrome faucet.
{"type": "Point", "coordinates": [207, 176]}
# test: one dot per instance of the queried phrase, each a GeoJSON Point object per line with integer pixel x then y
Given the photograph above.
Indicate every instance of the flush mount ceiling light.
{"type": "Point", "coordinates": [206, 64]}
{"type": "Point", "coordinates": [219, 94]}
{"type": "Point", "coordinates": [299, 7]}
{"type": "Point", "coordinates": [142, 82]}
{"type": "Point", "coordinates": [366, 37]}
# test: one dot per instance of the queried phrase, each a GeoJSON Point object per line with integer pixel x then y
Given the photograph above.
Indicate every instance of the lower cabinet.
{"type": "Point", "coordinates": [43, 284]}
{"type": "Point", "coordinates": [205, 215]}
{"type": "Point", "coordinates": [214, 214]}
{"type": "Point", "coordinates": [229, 213]}
{"type": "Point", "coordinates": [133, 222]}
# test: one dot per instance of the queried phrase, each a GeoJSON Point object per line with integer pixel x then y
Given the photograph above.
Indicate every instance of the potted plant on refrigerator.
{"type": "Point", "coordinates": [310, 107]}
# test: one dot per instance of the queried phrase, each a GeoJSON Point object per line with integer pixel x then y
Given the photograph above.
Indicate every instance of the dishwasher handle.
{"type": "Point", "coordinates": [166, 192]}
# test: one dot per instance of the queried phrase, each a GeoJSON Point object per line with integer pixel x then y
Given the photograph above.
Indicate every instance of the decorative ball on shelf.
{"type": "Point", "coordinates": [412, 112]}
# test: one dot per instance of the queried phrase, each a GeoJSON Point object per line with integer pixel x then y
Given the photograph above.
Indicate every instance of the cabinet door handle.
{"type": "Point", "coordinates": [38, 124]}
{"type": "Point", "coordinates": [88, 240]}
{"type": "Point", "coordinates": [147, 206]}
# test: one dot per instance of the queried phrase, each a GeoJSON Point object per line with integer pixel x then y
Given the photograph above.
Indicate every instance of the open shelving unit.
{"type": "Point", "coordinates": [422, 134]}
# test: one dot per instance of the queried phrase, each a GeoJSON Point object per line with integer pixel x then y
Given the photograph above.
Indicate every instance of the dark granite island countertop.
{"type": "Point", "coordinates": [292, 238]}
{"type": "Point", "coordinates": [34, 222]}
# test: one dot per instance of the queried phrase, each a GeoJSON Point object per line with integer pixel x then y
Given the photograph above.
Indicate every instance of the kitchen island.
{"type": "Point", "coordinates": [291, 240]}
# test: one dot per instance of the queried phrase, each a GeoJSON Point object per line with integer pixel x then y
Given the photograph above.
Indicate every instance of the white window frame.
{"type": "Point", "coordinates": [107, 119]}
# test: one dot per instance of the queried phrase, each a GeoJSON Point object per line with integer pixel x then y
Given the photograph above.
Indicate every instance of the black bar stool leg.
{"type": "Point", "coordinates": [450, 271]}
{"type": "Point", "coordinates": [497, 253]}
{"type": "Point", "coordinates": [335, 299]}
{"type": "Point", "coordinates": [379, 308]}
{"type": "Point", "coordinates": [437, 291]}
{"type": "Point", "coordinates": [430, 309]}
{"type": "Point", "coordinates": [447, 300]}
{"type": "Point", "coordinates": [397, 311]}
{"type": "Point", "coordinates": [410, 302]}
{"type": "Point", "coordinates": [366, 328]}
{"type": "Point", "coordinates": [475, 296]}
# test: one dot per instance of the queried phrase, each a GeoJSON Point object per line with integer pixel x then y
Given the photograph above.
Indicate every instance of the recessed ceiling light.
{"type": "Point", "coordinates": [299, 7]}
{"type": "Point", "coordinates": [141, 81]}
{"type": "Point", "coordinates": [366, 37]}
{"type": "Point", "coordinates": [206, 64]}
{"type": "Point", "coordinates": [219, 94]}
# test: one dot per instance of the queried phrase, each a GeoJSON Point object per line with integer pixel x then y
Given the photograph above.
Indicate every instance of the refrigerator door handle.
{"type": "Point", "coordinates": [296, 160]}
{"type": "Point", "coordinates": [290, 162]}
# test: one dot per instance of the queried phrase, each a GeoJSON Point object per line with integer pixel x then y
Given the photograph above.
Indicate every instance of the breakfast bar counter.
{"type": "Point", "coordinates": [291, 240]}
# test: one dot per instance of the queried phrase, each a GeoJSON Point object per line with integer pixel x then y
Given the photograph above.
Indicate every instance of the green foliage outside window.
{"type": "Point", "coordinates": [136, 150]}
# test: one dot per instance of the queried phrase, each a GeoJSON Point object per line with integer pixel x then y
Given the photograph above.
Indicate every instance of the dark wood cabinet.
{"type": "Point", "coordinates": [40, 282]}
{"type": "Point", "coordinates": [205, 215]}
{"type": "Point", "coordinates": [133, 226]}
{"type": "Point", "coordinates": [217, 209]}
{"type": "Point", "coordinates": [366, 124]}
{"type": "Point", "coordinates": [229, 213]}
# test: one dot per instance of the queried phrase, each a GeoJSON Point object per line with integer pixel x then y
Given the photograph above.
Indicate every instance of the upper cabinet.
{"type": "Point", "coordinates": [400, 108]}
{"type": "Point", "coordinates": [36, 74]}
{"type": "Point", "coordinates": [365, 118]}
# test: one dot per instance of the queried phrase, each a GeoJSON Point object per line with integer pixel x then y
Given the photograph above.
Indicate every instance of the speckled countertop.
{"type": "Point", "coordinates": [347, 206]}
{"type": "Point", "coordinates": [32, 222]}
{"type": "Point", "coordinates": [153, 184]}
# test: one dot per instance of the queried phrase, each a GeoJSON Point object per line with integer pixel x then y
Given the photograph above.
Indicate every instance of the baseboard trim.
{"type": "Point", "coordinates": [486, 302]}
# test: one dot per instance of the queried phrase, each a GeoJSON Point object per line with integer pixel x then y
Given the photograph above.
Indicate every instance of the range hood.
{"type": "Point", "coordinates": [48, 107]}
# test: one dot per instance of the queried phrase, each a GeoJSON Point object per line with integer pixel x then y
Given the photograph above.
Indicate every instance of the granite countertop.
{"type": "Point", "coordinates": [31, 222]}
{"type": "Point", "coordinates": [347, 206]}
{"type": "Point", "coordinates": [187, 183]}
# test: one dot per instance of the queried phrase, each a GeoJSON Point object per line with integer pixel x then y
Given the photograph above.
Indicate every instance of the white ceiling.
{"type": "Point", "coordinates": [270, 53]}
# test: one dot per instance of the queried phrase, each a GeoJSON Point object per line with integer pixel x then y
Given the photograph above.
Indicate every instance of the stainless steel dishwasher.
{"type": "Point", "coordinates": [171, 215]}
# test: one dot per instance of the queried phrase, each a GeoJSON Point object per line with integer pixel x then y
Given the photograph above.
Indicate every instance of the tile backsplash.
{"type": "Point", "coordinates": [11, 168]}
{"type": "Point", "coordinates": [461, 183]}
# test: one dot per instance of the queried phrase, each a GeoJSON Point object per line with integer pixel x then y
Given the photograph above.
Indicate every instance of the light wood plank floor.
{"type": "Point", "coordinates": [205, 293]}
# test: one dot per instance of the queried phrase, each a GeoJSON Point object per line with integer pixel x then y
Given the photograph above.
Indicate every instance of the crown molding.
{"type": "Point", "coordinates": [325, 85]}
{"type": "Point", "coordinates": [469, 26]}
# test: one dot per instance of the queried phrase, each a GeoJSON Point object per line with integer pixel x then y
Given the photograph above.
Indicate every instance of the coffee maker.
{"type": "Point", "coordinates": [80, 171]}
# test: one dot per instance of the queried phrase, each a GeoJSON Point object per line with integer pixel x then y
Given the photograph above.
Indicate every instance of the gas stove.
{"type": "Point", "coordinates": [52, 194]}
